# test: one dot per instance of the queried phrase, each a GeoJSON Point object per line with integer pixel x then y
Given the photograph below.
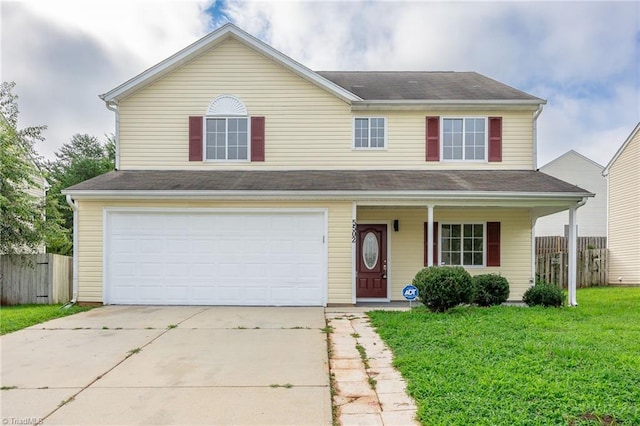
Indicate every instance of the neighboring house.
{"type": "Point", "coordinates": [577, 169]}
{"type": "Point", "coordinates": [623, 232]}
{"type": "Point", "coordinates": [244, 178]}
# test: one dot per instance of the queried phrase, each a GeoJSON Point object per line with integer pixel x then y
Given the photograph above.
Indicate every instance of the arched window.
{"type": "Point", "coordinates": [227, 130]}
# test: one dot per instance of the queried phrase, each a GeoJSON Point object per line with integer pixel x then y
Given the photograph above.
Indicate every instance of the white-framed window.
{"type": "Point", "coordinates": [226, 130]}
{"type": "Point", "coordinates": [464, 139]}
{"type": "Point", "coordinates": [369, 132]}
{"type": "Point", "coordinates": [462, 244]}
{"type": "Point", "coordinates": [227, 138]}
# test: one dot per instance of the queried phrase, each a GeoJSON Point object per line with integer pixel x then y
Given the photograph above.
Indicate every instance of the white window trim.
{"type": "Point", "coordinates": [368, 148]}
{"type": "Point", "coordinates": [204, 139]}
{"type": "Point", "coordinates": [484, 244]}
{"type": "Point", "coordinates": [486, 140]}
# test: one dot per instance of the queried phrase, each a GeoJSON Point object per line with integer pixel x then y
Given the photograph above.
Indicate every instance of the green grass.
{"type": "Point", "coordinates": [13, 318]}
{"type": "Point", "coordinates": [509, 365]}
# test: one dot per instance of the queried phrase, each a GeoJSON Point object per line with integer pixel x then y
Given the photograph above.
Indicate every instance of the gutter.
{"type": "Point", "coordinates": [535, 136]}
{"type": "Point", "coordinates": [113, 106]}
{"type": "Point", "coordinates": [418, 104]}
{"type": "Point", "coordinates": [350, 195]}
{"type": "Point", "coordinates": [74, 207]}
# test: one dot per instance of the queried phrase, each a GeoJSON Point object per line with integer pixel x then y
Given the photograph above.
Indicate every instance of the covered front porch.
{"type": "Point", "coordinates": [393, 239]}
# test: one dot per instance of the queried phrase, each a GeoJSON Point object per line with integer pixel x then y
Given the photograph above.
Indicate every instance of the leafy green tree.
{"type": "Point", "coordinates": [82, 158]}
{"type": "Point", "coordinates": [22, 220]}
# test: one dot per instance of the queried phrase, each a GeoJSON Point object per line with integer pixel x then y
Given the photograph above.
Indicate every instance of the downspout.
{"type": "Point", "coordinates": [74, 206]}
{"type": "Point", "coordinates": [535, 136]}
{"type": "Point", "coordinates": [113, 106]}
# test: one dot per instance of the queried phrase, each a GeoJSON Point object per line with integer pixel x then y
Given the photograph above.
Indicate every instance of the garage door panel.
{"type": "Point", "coordinates": [151, 224]}
{"type": "Point", "coordinates": [215, 258]}
{"type": "Point", "coordinates": [178, 246]}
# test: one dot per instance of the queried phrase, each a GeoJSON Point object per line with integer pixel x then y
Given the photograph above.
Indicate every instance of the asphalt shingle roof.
{"type": "Point", "coordinates": [415, 85]}
{"type": "Point", "coordinates": [527, 181]}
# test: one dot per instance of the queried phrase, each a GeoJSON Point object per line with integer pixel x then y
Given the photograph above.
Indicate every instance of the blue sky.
{"type": "Point", "coordinates": [583, 57]}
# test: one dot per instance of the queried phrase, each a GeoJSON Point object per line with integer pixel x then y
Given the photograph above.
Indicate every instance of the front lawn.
{"type": "Point", "coordinates": [510, 365]}
{"type": "Point", "coordinates": [13, 318]}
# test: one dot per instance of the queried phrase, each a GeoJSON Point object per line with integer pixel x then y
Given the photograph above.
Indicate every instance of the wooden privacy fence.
{"type": "Point", "coordinates": [35, 278]}
{"type": "Point", "coordinates": [557, 244]}
{"type": "Point", "coordinates": [592, 268]}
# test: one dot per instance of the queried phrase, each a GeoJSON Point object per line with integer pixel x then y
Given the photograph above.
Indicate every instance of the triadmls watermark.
{"type": "Point", "coordinates": [21, 420]}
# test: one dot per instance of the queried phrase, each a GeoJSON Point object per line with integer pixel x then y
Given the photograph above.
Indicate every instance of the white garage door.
{"type": "Point", "coordinates": [215, 258]}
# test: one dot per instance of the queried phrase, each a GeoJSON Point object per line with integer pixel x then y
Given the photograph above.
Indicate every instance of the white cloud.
{"type": "Point", "coordinates": [62, 54]}
{"type": "Point", "coordinates": [581, 56]}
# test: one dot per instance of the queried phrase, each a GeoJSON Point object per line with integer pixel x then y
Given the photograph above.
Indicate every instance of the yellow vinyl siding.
{"type": "Point", "coordinates": [306, 127]}
{"type": "Point", "coordinates": [407, 245]}
{"type": "Point", "coordinates": [624, 216]}
{"type": "Point", "coordinates": [91, 237]}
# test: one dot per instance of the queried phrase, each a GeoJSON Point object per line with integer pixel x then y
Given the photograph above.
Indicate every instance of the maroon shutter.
{"type": "Point", "coordinates": [195, 138]}
{"type": "Point", "coordinates": [257, 138]}
{"type": "Point", "coordinates": [495, 138]}
{"type": "Point", "coordinates": [493, 243]}
{"type": "Point", "coordinates": [435, 243]}
{"type": "Point", "coordinates": [432, 132]}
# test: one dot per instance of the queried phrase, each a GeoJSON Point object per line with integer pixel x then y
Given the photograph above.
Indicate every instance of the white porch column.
{"type": "Point", "coordinates": [532, 282]}
{"type": "Point", "coordinates": [573, 256]}
{"type": "Point", "coordinates": [429, 235]}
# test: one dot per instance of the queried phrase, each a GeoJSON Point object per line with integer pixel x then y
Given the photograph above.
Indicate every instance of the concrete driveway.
{"type": "Point", "coordinates": [119, 365]}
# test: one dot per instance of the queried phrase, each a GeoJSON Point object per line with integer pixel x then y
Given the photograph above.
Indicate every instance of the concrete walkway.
{"type": "Point", "coordinates": [365, 394]}
{"type": "Point", "coordinates": [124, 365]}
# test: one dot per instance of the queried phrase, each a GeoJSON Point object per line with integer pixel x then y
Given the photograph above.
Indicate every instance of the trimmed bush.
{"type": "Point", "coordinates": [491, 289]}
{"type": "Point", "coordinates": [543, 294]}
{"type": "Point", "coordinates": [443, 287]}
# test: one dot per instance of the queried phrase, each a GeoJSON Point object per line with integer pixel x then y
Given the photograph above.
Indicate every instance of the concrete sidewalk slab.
{"type": "Point", "coordinates": [197, 406]}
{"type": "Point", "coordinates": [371, 394]}
{"type": "Point", "coordinates": [124, 317]}
{"type": "Point", "coordinates": [226, 358]}
{"type": "Point", "coordinates": [260, 317]}
{"type": "Point", "coordinates": [65, 358]}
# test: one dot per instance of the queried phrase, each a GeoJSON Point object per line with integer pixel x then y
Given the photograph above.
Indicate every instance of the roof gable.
{"type": "Point", "coordinates": [211, 40]}
{"type": "Point", "coordinates": [568, 156]}
{"type": "Point", "coordinates": [633, 134]}
{"type": "Point", "coordinates": [361, 89]}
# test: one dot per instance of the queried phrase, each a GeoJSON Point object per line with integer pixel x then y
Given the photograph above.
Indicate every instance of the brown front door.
{"type": "Point", "coordinates": [371, 261]}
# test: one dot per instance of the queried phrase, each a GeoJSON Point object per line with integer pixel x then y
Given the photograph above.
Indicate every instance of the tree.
{"type": "Point", "coordinates": [22, 220]}
{"type": "Point", "coordinates": [82, 158]}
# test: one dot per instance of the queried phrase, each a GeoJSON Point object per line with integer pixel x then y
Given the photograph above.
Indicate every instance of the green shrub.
{"type": "Point", "coordinates": [491, 289]}
{"type": "Point", "coordinates": [443, 287]}
{"type": "Point", "coordinates": [543, 294]}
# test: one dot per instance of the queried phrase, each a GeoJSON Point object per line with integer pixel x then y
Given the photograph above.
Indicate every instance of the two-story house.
{"type": "Point", "coordinates": [245, 178]}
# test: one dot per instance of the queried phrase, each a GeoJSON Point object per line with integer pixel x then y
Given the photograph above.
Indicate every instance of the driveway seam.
{"type": "Point", "coordinates": [129, 355]}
